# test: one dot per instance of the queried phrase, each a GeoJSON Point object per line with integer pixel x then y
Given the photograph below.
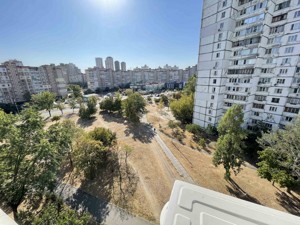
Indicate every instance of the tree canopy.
{"type": "Point", "coordinates": [30, 156]}
{"type": "Point", "coordinates": [183, 108]}
{"type": "Point", "coordinates": [229, 151]}
{"type": "Point", "coordinates": [85, 112]}
{"type": "Point", "coordinates": [280, 157]}
{"type": "Point", "coordinates": [134, 107]}
{"type": "Point", "coordinates": [190, 87]}
{"type": "Point", "coordinates": [44, 101]}
{"type": "Point", "coordinates": [76, 90]}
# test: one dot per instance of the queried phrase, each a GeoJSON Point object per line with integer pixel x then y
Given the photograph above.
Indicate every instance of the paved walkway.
{"type": "Point", "coordinates": [101, 210]}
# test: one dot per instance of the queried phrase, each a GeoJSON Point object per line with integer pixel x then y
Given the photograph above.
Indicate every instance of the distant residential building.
{"type": "Point", "coordinates": [249, 55]}
{"type": "Point", "coordinates": [109, 63]}
{"type": "Point", "coordinates": [99, 63]}
{"type": "Point", "coordinates": [71, 73]}
{"type": "Point", "coordinates": [123, 66]}
{"type": "Point", "coordinates": [117, 66]}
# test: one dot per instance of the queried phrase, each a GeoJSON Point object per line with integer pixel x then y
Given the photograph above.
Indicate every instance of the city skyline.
{"type": "Point", "coordinates": [149, 32]}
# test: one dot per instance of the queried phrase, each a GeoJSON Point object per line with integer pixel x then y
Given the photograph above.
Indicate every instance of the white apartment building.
{"type": "Point", "coordinates": [71, 73]}
{"type": "Point", "coordinates": [5, 86]}
{"type": "Point", "coordinates": [117, 66]}
{"type": "Point", "coordinates": [123, 66]}
{"type": "Point", "coordinates": [99, 63]}
{"type": "Point", "coordinates": [109, 63]}
{"type": "Point", "coordinates": [249, 55]}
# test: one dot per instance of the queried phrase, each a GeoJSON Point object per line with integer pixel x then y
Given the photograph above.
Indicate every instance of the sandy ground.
{"type": "Point", "coordinates": [156, 174]}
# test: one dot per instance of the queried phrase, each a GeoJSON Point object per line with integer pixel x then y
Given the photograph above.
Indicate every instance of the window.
{"type": "Point", "coordinates": [283, 5]}
{"type": "Point", "coordinates": [291, 110]}
{"type": "Point", "coordinates": [215, 73]}
{"type": "Point", "coordinates": [214, 90]}
{"type": "Point", "coordinates": [245, 42]}
{"type": "Point", "coordinates": [262, 89]}
{"type": "Point", "coordinates": [220, 36]}
{"type": "Point", "coordinates": [295, 26]}
{"type": "Point", "coordinates": [224, 3]}
{"type": "Point", "coordinates": [270, 60]}
{"type": "Point", "coordinates": [278, 91]}
{"type": "Point", "coordinates": [275, 100]}
{"type": "Point", "coordinates": [223, 14]}
{"type": "Point", "coordinates": [217, 55]}
{"type": "Point", "coordinates": [273, 109]}
{"type": "Point", "coordinates": [218, 45]}
{"type": "Point", "coordinates": [279, 18]}
{"type": "Point", "coordinates": [286, 61]}
{"type": "Point", "coordinates": [212, 97]}
{"type": "Point", "coordinates": [255, 113]}
{"type": "Point", "coordinates": [280, 81]}
{"type": "Point", "coordinates": [297, 14]}
{"type": "Point", "coordinates": [274, 40]}
{"type": "Point", "coordinates": [272, 51]}
{"type": "Point", "coordinates": [209, 118]}
{"type": "Point", "coordinates": [283, 71]}
{"type": "Point", "coordinates": [293, 101]}
{"type": "Point", "coordinates": [214, 81]}
{"type": "Point", "coordinates": [288, 119]}
{"type": "Point", "coordinates": [289, 50]}
{"type": "Point", "coordinates": [209, 111]}
{"type": "Point", "coordinates": [264, 80]}
{"type": "Point", "coordinates": [250, 20]}
{"type": "Point", "coordinates": [267, 70]}
{"type": "Point", "coordinates": [296, 90]}
{"type": "Point", "coordinates": [258, 106]}
{"type": "Point", "coordinates": [211, 104]}
{"type": "Point", "coordinates": [260, 98]}
{"type": "Point", "coordinates": [241, 71]}
{"type": "Point", "coordinates": [292, 38]}
{"type": "Point", "coordinates": [221, 25]}
{"type": "Point", "coordinates": [277, 29]}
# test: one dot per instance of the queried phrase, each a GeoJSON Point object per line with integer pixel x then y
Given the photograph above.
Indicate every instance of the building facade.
{"type": "Point", "coordinates": [249, 55]}
{"type": "Point", "coordinates": [99, 63]}
{"type": "Point", "coordinates": [109, 63]}
{"type": "Point", "coordinates": [117, 66]}
{"type": "Point", "coordinates": [123, 66]}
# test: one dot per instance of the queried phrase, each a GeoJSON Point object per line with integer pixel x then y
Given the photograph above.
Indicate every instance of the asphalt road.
{"type": "Point", "coordinates": [102, 211]}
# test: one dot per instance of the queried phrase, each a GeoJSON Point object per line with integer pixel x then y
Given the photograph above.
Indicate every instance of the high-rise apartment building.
{"type": "Point", "coordinates": [123, 66]}
{"type": "Point", "coordinates": [117, 66]}
{"type": "Point", "coordinates": [109, 63]}
{"type": "Point", "coordinates": [99, 63]}
{"type": "Point", "coordinates": [249, 55]}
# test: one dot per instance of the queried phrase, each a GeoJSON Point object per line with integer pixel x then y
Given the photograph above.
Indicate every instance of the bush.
{"type": "Point", "coordinates": [193, 128]}
{"type": "Point", "coordinates": [202, 143]}
{"type": "Point", "coordinates": [178, 134]}
{"type": "Point", "coordinates": [157, 100]}
{"type": "Point", "coordinates": [88, 91]}
{"type": "Point", "coordinates": [106, 136]}
{"type": "Point", "coordinates": [183, 109]}
{"type": "Point", "coordinates": [172, 124]}
{"type": "Point", "coordinates": [211, 130]}
{"type": "Point", "coordinates": [55, 118]}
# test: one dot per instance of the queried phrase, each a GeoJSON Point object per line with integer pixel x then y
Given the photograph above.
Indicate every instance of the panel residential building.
{"type": "Point", "coordinates": [249, 55]}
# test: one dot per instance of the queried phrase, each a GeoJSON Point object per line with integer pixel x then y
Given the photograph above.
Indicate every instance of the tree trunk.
{"type": "Point", "coordinates": [49, 112]}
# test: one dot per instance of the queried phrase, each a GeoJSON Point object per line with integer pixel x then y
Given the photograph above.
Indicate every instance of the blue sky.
{"type": "Point", "coordinates": [152, 32]}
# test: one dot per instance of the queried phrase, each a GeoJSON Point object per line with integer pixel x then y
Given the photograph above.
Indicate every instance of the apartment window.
{"type": "Point", "coordinates": [218, 45]}
{"type": "Point", "coordinates": [209, 118]}
{"type": "Point", "coordinates": [241, 71]}
{"type": "Point", "coordinates": [273, 109]}
{"type": "Point", "coordinates": [283, 71]}
{"type": "Point", "coordinates": [223, 14]}
{"type": "Point", "coordinates": [286, 61]}
{"type": "Point", "coordinates": [275, 100]}
{"type": "Point", "coordinates": [288, 119]}
{"type": "Point", "coordinates": [296, 90]}
{"type": "Point", "coordinates": [228, 104]}
{"type": "Point", "coordinates": [214, 90]}
{"type": "Point", "coordinates": [221, 25]}
{"type": "Point", "coordinates": [256, 113]}
{"type": "Point", "coordinates": [224, 3]}
{"type": "Point", "coordinates": [211, 104]}
{"type": "Point", "coordinates": [220, 36]}
{"type": "Point", "coordinates": [209, 111]}
{"type": "Point", "coordinates": [277, 29]}
{"type": "Point", "coordinates": [250, 20]}
{"type": "Point", "coordinates": [295, 26]}
{"type": "Point", "coordinates": [267, 70]}
{"type": "Point", "coordinates": [289, 50]}
{"type": "Point", "coordinates": [278, 91]}
{"type": "Point", "coordinates": [272, 51]}
{"type": "Point", "coordinates": [217, 55]}
{"type": "Point", "coordinates": [262, 89]}
{"type": "Point", "coordinates": [212, 97]}
{"type": "Point", "coordinates": [279, 18]}
{"type": "Point", "coordinates": [280, 81]}
{"type": "Point", "coordinates": [215, 73]}
{"type": "Point", "coordinates": [283, 5]}
{"type": "Point", "coordinates": [293, 101]}
{"type": "Point", "coordinates": [260, 98]}
{"type": "Point", "coordinates": [297, 14]}
{"type": "Point", "coordinates": [245, 42]}
{"type": "Point", "coordinates": [297, 69]}
{"type": "Point", "coordinates": [270, 60]}
{"type": "Point", "coordinates": [214, 81]}
{"type": "Point", "coordinates": [258, 106]}
{"type": "Point", "coordinates": [292, 38]}
{"type": "Point", "coordinates": [291, 110]}
{"type": "Point", "coordinates": [264, 80]}
{"type": "Point", "coordinates": [274, 40]}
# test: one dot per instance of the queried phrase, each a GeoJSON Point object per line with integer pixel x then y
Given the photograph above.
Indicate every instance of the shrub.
{"type": "Point", "coordinates": [211, 130]}
{"type": "Point", "coordinates": [55, 118]}
{"type": "Point", "coordinates": [157, 100]}
{"type": "Point", "coordinates": [202, 143]}
{"type": "Point", "coordinates": [193, 128]}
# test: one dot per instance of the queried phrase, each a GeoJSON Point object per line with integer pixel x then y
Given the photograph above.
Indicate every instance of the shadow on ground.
{"type": "Point", "coordinates": [289, 201]}
{"type": "Point", "coordinates": [115, 182]}
{"type": "Point", "coordinates": [235, 190]}
{"type": "Point", "coordinates": [142, 132]}
{"type": "Point", "coordinates": [86, 122]}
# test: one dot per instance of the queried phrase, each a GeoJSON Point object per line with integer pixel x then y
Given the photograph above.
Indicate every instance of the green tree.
{"type": "Point", "coordinates": [107, 104]}
{"type": "Point", "coordinates": [44, 100]}
{"type": "Point", "coordinates": [85, 112]}
{"type": "Point", "coordinates": [280, 157]}
{"type": "Point", "coordinates": [134, 107]}
{"type": "Point", "coordinates": [76, 90]}
{"type": "Point", "coordinates": [61, 107]}
{"type": "Point", "coordinates": [29, 157]}
{"type": "Point", "coordinates": [190, 87]}
{"type": "Point", "coordinates": [73, 103]}
{"type": "Point", "coordinates": [183, 109]}
{"type": "Point", "coordinates": [164, 99]}
{"type": "Point", "coordinates": [106, 136]}
{"type": "Point", "coordinates": [230, 144]}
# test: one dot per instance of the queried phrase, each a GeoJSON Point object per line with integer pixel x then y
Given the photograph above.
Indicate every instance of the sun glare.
{"type": "Point", "coordinates": [110, 5]}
